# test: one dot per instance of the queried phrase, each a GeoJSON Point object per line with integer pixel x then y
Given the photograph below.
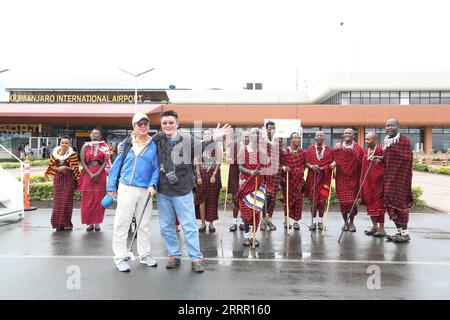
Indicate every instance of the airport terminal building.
{"type": "Point", "coordinates": [362, 101]}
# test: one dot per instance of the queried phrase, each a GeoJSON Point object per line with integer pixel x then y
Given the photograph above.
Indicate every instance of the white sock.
{"type": "Point", "coordinates": [404, 232]}
{"type": "Point", "coordinates": [235, 220]}
{"type": "Point", "coordinates": [399, 230]}
{"type": "Point", "coordinates": [315, 220]}
{"type": "Point", "coordinates": [320, 219]}
{"type": "Point", "coordinates": [247, 235]}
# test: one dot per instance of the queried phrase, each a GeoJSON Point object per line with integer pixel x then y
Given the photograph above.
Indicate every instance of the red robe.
{"type": "Point", "coordinates": [251, 161]}
{"type": "Point", "coordinates": [273, 175]}
{"type": "Point", "coordinates": [233, 174]}
{"type": "Point", "coordinates": [318, 184]}
{"type": "Point", "coordinates": [348, 172]}
{"type": "Point", "coordinates": [372, 189]}
{"type": "Point", "coordinates": [208, 192]}
{"type": "Point", "coordinates": [296, 161]}
{"type": "Point", "coordinates": [397, 180]}
{"type": "Point", "coordinates": [92, 211]}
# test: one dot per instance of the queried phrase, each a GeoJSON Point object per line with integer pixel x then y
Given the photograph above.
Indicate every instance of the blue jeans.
{"type": "Point", "coordinates": [183, 208]}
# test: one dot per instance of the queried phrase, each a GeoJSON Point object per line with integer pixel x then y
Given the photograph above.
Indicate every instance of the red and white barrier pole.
{"type": "Point", "coordinates": [26, 186]}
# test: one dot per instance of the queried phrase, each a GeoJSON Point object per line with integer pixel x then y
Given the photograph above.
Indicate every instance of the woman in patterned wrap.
{"type": "Point", "coordinates": [63, 166]}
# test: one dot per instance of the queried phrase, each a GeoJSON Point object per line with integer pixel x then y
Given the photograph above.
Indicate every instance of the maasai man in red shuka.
{"type": "Point", "coordinates": [293, 161]}
{"type": "Point", "coordinates": [233, 181]}
{"type": "Point", "coordinates": [92, 184]}
{"type": "Point", "coordinates": [272, 172]}
{"type": "Point", "coordinates": [250, 167]}
{"type": "Point", "coordinates": [209, 184]}
{"type": "Point", "coordinates": [397, 180]}
{"type": "Point", "coordinates": [63, 165]}
{"type": "Point", "coordinates": [319, 157]}
{"type": "Point", "coordinates": [348, 157]}
{"type": "Point", "coordinates": [372, 189]}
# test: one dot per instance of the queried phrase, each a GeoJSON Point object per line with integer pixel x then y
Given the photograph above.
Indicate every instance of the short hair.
{"type": "Point", "coordinates": [290, 137]}
{"type": "Point", "coordinates": [97, 129]}
{"type": "Point", "coordinates": [169, 113]}
{"type": "Point", "coordinates": [395, 120]}
{"type": "Point", "coordinates": [66, 137]}
{"type": "Point", "coordinates": [269, 123]}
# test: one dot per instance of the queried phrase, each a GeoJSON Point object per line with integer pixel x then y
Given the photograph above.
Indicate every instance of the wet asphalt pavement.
{"type": "Point", "coordinates": [38, 263]}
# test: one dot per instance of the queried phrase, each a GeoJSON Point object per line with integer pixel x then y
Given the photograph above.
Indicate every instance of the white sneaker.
{"type": "Point", "coordinates": [123, 267]}
{"type": "Point", "coordinates": [149, 261]}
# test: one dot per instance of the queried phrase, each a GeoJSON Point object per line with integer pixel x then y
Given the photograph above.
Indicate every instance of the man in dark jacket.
{"type": "Point", "coordinates": [176, 183]}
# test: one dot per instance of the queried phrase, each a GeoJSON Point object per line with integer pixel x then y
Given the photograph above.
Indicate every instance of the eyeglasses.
{"type": "Point", "coordinates": [165, 123]}
{"type": "Point", "coordinates": [143, 123]}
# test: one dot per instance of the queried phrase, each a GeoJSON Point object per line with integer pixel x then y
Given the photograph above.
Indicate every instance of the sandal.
{"type": "Point", "coordinates": [371, 232]}
{"type": "Point", "coordinates": [202, 229]}
{"type": "Point", "coordinates": [271, 226]}
{"type": "Point", "coordinates": [212, 229]}
{"type": "Point", "coordinates": [352, 228]}
{"type": "Point", "coordinates": [379, 234]}
{"type": "Point", "coordinates": [392, 237]}
{"type": "Point", "coordinates": [233, 227]}
{"type": "Point", "coordinates": [296, 226]}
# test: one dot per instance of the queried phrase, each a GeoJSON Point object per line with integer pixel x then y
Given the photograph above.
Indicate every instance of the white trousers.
{"type": "Point", "coordinates": [131, 201]}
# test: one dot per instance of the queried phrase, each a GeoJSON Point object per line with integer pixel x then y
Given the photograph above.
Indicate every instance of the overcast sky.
{"type": "Point", "coordinates": [214, 44]}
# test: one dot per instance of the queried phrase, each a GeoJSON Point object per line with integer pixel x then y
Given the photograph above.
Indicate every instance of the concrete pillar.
{"type": "Point", "coordinates": [428, 139]}
{"type": "Point", "coordinates": [361, 135]}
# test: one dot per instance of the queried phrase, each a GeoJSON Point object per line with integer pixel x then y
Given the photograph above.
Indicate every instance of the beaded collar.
{"type": "Point", "coordinates": [322, 153]}
{"type": "Point", "coordinates": [294, 151]}
{"type": "Point", "coordinates": [345, 146]}
{"type": "Point", "coordinates": [387, 142]}
{"type": "Point", "coordinates": [64, 156]}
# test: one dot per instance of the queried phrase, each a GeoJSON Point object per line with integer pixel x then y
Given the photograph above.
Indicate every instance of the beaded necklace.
{"type": "Point", "coordinates": [390, 141]}
{"type": "Point", "coordinates": [371, 153]}
{"type": "Point", "coordinates": [322, 153]}
{"type": "Point", "coordinates": [294, 151]}
{"type": "Point", "coordinates": [345, 146]}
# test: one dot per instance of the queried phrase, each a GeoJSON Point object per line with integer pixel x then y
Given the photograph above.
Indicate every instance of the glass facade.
{"type": "Point", "coordinates": [390, 97]}
{"type": "Point", "coordinates": [441, 139]}
{"type": "Point", "coordinates": [332, 135]}
{"type": "Point", "coordinates": [415, 135]}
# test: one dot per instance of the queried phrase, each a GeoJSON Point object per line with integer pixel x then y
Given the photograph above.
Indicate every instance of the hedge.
{"type": "Point", "coordinates": [442, 170]}
{"type": "Point", "coordinates": [421, 167]}
{"type": "Point", "coordinates": [428, 168]}
{"type": "Point", "coordinates": [44, 191]}
{"type": "Point", "coordinates": [12, 165]}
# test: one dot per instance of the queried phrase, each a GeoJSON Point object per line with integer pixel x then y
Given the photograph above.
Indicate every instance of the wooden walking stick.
{"type": "Point", "coordinates": [354, 202]}
{"type": "Point", "coordinates": [224, 210]}
{"type": "Point", "coordinates": [254, 213]}
{"type": "Point", "coordinates": [287, 201]}
{"type": "Point", "coordinates": [313, 202]}
{"type": "Point", "coordinates": [328, 207]}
